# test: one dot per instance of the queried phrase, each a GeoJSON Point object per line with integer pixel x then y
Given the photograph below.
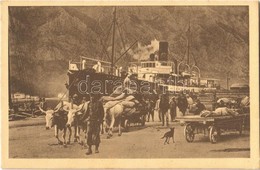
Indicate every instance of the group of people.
{"type": "Point", "coordinates": [163, 106]}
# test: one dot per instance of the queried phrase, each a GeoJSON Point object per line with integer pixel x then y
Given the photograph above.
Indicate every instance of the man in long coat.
{"type": "Point", "coordinates": [182, 103]}
{"type": "Point", "coordinates": [164, 106]}
{"type": "Point", "coordinates": [95, 114]}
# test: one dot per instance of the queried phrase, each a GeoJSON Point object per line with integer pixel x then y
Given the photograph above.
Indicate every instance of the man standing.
{"type": "Point", "coordinates": [164, 107]}
{"type": "Point", "coordinates": [173, 109]}
{"type": "Point", "coordinates": [182, 103]}
{"type": "Point", "coordinates": [95, 114]}
{"type": "Point", "coordinates": [43, 103]}
{"type": "Point", "coordinates": [157, 109]}
{"type": "Point", "coordinates": [150, 109]}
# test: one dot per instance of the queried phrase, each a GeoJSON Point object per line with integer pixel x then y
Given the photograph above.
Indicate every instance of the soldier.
{"type": "Point", "coordinates": [95, 114]}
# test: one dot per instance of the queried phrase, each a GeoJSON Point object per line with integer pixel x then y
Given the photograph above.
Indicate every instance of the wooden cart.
{"type": "Point", "coordinates": [136, 117]}
{"type": "Point", "coordinates": [213, 125]}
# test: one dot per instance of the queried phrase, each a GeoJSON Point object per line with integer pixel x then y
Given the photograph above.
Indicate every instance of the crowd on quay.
{"type": "Point", "coordinates": [167, 108]}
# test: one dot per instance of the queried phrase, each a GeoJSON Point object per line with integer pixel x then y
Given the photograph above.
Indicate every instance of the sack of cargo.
{"type": "Point", "coordinates": [128, 104]}
{"type": "Point", "coordinates": [111, 104]}
{"type": "Point", "coordinates": [117, 91]}
{"type": "Point", "coordinates": [205, 113]}
{"type": "Point", "coordinates": [120, 97]}
{"type": "Point", "coordinates": [245, 102]}
{"type": "Point", "coordinates": [129, 98]}
{"type": "Point", "coordinates": [129, 111]}
{"type": "Point", "coordinates": [221, 111]}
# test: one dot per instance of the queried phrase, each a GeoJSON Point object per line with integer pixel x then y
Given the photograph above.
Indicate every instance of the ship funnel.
{"type": "Point", "coordinates": [163, 51]}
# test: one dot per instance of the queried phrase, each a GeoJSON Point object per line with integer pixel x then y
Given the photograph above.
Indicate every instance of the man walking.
{"type": "Point", "coordinates": [95, 114]}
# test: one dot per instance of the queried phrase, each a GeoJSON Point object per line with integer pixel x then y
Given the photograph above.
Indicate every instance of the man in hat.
{"type": "Point", "coordinates": [95, 114]}
{"type": "Point", "coordinates": [164, 106]}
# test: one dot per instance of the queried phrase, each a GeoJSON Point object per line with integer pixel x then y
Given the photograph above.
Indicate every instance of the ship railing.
{"type": "Point", "coordinates": [152, 64]}
{"type": "Point", "coordinates": [87, 62]}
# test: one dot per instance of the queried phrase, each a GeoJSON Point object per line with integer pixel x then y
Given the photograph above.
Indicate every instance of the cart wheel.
{"type": "Point", "coordinates": [189, 133]}
{"type": "Point", "coordinates": [143, 120]}
{"type": "Point", "coordinates": [126, 125]}
{"type": "Point", "coordinates": [213, 134]}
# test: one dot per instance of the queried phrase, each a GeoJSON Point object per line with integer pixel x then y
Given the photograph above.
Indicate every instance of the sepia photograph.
{"type": "Point", "coordinates": [130, 82]}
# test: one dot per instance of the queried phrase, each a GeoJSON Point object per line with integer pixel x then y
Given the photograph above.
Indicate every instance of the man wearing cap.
{"type": "Point", "coordinates": [95, 114]}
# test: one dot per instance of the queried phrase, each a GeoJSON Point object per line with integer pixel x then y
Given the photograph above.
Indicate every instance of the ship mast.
{"type": "Point", "coordinates": [188, 53]}
{"type": "Point", "coordinates": [113, 41]}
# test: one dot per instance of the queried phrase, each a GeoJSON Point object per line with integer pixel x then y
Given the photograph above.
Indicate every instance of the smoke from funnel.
{"type": "Point", "coordinates": [143, 52]}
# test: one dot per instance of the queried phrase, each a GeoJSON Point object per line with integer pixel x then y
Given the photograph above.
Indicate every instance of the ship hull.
{"type": "Point", "coordinates": [84, 82]}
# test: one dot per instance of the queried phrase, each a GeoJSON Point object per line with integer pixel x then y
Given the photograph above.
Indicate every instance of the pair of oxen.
{"type": "Point", "coordinates": [67, 115]}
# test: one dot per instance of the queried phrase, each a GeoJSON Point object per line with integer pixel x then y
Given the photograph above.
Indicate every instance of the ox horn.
{"type": "Point", "coordinates": [57, 109]}
{"type": "Point", "coordinates": [42, 110]}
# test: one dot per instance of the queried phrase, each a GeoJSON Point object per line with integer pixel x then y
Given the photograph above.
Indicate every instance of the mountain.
{"type": "Point", "coordinates": [42, 40]}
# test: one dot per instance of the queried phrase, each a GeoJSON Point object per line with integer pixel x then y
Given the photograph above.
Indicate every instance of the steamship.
{"type": "Point", "coordinates": [155, 75]}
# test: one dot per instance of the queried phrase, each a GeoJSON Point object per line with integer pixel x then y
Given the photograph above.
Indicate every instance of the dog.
{"type": "Point", "coordinates": [168, 135]}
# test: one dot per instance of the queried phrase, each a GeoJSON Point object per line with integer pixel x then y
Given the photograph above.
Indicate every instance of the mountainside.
{"type": "Point", "coordinates": [43, 39]}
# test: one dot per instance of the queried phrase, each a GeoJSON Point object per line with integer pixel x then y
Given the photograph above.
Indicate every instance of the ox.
{"type": "Point", "coordinates": [76, 117]}
{"type": "Point", "coordinates": [112, 117]}
{"type": "Point", "coordinates": [57, 118]}
{"type": "Point", "coordinates": [114, 112]}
